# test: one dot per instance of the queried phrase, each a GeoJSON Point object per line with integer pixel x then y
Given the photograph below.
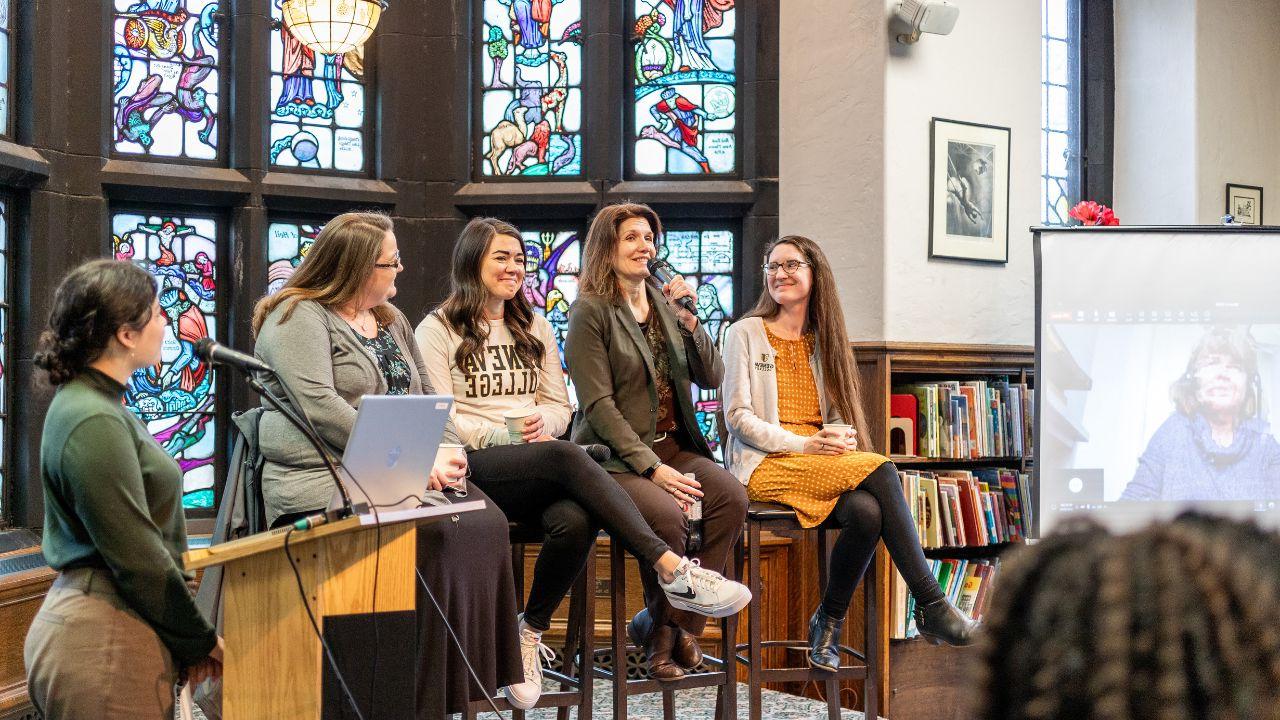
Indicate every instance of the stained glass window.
{"type": "Point", "coordinates": [176, 398]}
{"type": "Point", "coordinates": [287, 245]}
{"type": "Point", "coordinates": [553, 260]}
{"type": "Point", "coordinates": [6, 46]}
{"type": "Point", "coordinates": [1056, 98]}
{"type": "Point", "coordinates": [530, 68]}
{"type": "Point", "coordinates": [165, 76]}
{"type": "Point", "coordinates": [684, 68]}
{"type": "Point", "coordinates": [4, 351]}
{"type": "Point", "coordinates": [317, 104]}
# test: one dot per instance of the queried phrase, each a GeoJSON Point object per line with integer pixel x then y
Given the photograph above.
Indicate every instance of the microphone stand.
{"type": "Point", "coordinates": [347, 509]}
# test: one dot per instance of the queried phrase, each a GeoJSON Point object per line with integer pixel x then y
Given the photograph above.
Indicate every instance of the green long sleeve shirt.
{"type": "Point", "coordinates": [113, 499]}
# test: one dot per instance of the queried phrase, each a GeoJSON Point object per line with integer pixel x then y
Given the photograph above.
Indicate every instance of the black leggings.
{"type": "Point", "coordinates": [555, 484]}
{"type": "Point", "coordinates": [875, 510]}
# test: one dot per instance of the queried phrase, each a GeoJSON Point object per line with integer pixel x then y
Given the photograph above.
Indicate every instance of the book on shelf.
{"type": "Point", "coordinates": [966, 583]}
{"type": "Point", "coordinates": [969, 420]}
{"type": "Point", "coordinates": [967, 508]}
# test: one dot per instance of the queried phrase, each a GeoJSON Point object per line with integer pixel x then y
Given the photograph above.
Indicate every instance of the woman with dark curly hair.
{"type": "Point", "coordinates": [1174, 621]}
{"type": "Point", "coordinates": [119, 623]}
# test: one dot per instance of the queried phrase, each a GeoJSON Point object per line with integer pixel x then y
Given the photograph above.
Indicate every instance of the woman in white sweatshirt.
{"type": "Point", "coordinates": [487, 345]}
{"type": "Point", "coordinates": [788, 372]}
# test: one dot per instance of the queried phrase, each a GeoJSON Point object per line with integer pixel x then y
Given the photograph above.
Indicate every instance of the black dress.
{"type": "Point", "coordinates": [456, 557]}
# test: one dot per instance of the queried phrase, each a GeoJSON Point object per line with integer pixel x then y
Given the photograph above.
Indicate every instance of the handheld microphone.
{"type": "Point", "coordinates": [210, 351]}
{"type": "Point", "coordinates": [597, 452]}
{"type": "Point", "coordinates": [663, 271]}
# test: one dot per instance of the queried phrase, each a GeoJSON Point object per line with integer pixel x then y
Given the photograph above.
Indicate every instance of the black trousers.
{"type": "Point", "coordinates": [873, 511]}
{"type": "Point", "coordinates": [556, 485]}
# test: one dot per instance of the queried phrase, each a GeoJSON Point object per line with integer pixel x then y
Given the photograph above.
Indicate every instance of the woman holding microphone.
{"type": "Point", "coordinates": [633, 352]}
{"type": "Point", "coordinates": [119, 625]}
{"type": "Point", "coordinates": [501, 362]}
{"type": "Point", "coordinates": [791, 403]}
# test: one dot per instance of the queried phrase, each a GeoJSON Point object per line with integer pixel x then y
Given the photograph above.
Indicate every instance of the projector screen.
{"type": "Point", "coordinates": [1157, 364]}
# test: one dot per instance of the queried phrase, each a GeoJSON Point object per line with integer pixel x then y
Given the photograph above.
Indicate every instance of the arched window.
{"type": "Point", "coordinates": [529, 65]}
{"type": "Point", "coordinates": [176, 399]}
{"type": "Point", "coordinates": [317, 107]}
{"type": "Point", "coordinates": [683, 69]}
{"type": "Point", "coordinates": [166, 74]}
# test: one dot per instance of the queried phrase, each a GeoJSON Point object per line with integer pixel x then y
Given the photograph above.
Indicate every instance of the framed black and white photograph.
{"type": "Point", "coordinates": [968, 191]}
{"type": "Point", "coordinates": [1244, 203]}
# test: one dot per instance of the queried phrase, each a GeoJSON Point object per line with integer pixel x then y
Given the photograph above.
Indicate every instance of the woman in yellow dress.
{"type": "Point", "coordinates": [789, 372]}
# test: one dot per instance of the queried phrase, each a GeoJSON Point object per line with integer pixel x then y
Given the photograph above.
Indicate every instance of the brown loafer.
{"type": "Point", "coordinates": [687, 653]}
{"type": "Point", "coordinates": [658, 652]}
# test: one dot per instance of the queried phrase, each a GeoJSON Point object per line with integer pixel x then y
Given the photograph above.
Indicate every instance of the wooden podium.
{"type": "Point", "coordinates": [275, 665]}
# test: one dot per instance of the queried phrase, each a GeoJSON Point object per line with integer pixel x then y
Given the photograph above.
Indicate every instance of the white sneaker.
{"type": "Point", "coordinates": [705, 592]}
{"type": "Point", "coordinates": [532, 652]}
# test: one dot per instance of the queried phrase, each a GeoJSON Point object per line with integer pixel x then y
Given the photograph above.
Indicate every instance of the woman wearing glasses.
{"type": "Point", "coordinates": [333, 336]}
{"type": "Point", "coordinates": [789, 372]}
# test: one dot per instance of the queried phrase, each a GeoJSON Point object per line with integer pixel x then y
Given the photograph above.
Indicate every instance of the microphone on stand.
{"type": "Point", "coordinates": [212, 352]}
{"type": "Point", "coordinates": [663, 271]}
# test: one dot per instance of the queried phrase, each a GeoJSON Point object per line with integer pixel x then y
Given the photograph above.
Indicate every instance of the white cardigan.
{"type": "Point", "coordinates": [749, 396]}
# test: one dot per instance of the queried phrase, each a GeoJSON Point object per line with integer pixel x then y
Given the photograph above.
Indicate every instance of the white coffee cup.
{"type": "Point", "coordinates": [839, 428]}
{"type": "Point", "coordinates": [515, 423]}
{"type": "Point", "coordinates": [451, 450]}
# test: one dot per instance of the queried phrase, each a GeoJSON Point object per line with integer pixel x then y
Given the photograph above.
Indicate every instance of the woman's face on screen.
{"type": "Point", "coordinates": [788, 288]}
{"type": "Point", "coordinates": [1220, 383]}
{"type": "Point", "coordinates": [502, 269]}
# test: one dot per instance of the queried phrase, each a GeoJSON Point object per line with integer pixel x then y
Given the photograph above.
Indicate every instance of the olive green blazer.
{"type": "Point", "coordinates": [612, 371]}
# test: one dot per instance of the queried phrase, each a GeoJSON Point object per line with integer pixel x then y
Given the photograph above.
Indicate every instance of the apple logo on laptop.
{"type": "Point", "coordinates": [393, 456]}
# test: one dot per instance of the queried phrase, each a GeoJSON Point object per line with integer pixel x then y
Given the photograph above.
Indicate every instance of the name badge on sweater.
{"type": "Point", "coordinates": [765, 363]}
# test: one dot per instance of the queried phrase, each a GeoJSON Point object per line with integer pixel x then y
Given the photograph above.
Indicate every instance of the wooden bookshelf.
{"type": "Point", "coordinates": [922, 679]}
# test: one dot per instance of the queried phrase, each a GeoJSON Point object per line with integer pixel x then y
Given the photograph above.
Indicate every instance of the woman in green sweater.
{"type": "Point", "coordinates": [119, 623]}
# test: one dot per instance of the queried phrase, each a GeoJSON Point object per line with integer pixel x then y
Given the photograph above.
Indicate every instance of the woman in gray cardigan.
{"type": "Point", "coordinates": [632, 355]}
{"type": "Point", "coordinates": [332, 335]}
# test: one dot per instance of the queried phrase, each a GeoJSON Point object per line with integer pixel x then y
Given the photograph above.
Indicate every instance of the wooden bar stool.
{"type": "Point", "coordinates": [724, 676]}
{"type": "Point", "coordinates": [866, 666]}
{"type": "Point", "coordinates": [575, 674]}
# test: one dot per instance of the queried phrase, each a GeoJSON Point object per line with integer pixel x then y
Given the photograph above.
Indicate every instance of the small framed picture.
{"type": "Point", "coordinates": [968, 191]}
{"type": "Point", "coordinates": [1244, 203]}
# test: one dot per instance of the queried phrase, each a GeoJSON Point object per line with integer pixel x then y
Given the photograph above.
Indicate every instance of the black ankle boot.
{"type": "Point", "coordinates": [940, 622]}
{"type": "Point", "coordinates": [824, 641]}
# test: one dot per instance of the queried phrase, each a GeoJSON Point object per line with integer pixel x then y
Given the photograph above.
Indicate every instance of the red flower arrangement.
{"type": "Point", "coordinates": [1089, 212]}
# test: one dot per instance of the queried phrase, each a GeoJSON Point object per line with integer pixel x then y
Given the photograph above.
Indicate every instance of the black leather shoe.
{"type": "Point", "coordinates": [824, 641]}
{"type": "Point", "coordinates": [658, 652]}
{"type": "Point", "coordinates": [940, 622]}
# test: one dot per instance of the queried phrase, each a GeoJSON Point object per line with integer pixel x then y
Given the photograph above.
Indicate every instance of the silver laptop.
{"type": "Point", "coordinates": [392, 448]}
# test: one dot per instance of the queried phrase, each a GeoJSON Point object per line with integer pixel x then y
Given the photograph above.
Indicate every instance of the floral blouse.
{"type": "Point", "coordinates": [390, 360]}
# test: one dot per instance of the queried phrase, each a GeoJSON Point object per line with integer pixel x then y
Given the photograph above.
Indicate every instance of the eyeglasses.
{"type": "Point", "coordinates": [394, 264]}
{"type": "Point", "coordinates": [791, 266]}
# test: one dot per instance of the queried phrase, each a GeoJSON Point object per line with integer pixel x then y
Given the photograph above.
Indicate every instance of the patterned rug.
{"type": "Point", "coordinates": [699, 704]}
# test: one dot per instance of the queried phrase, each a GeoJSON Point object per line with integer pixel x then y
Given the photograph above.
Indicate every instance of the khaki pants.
{"type": "Point", "coordinates": [89, 656]}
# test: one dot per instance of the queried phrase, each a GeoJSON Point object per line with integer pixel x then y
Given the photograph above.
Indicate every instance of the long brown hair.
{"type": "Point", "coordinates": [463, 310]}
{"type": "Point", "coordinates": [598, 277]}
{"type": "Point", "coordinates": [335, 269]}
{"type": "Point", "coordinates": [826, 321]}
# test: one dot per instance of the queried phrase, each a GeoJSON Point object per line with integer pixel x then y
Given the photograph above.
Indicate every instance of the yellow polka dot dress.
{"type": "Point", "coordinates": [809, 483]}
